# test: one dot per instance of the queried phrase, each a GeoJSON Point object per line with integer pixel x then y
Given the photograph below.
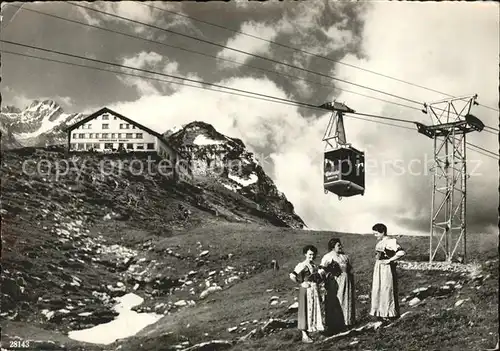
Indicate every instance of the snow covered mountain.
{"type": "Point", "coordinates": [224, 160]}
{"type": "Point", "coordinates": [39, 124]}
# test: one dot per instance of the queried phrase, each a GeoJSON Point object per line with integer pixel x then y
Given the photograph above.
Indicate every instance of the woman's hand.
{"type": "Point", "coordinates": [305, 285]}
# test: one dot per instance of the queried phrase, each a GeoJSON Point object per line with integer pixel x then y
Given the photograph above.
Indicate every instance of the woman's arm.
{"type": "Point", "coordinates": [400, 253]}
{"type": "Point", "coordinates": [296, 275]}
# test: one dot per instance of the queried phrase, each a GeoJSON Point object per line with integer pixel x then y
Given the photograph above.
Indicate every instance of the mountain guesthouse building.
{"type": "Point", "coordinates": [107, 131]}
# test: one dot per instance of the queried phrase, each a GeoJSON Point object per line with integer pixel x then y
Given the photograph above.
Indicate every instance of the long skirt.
{"type": "Point", "coordinates": [385, 301]}
{"type": "Point", "coordinates": [346, 296]}
{"type": "Point", "coordinates": [334, 316]}
{"type": "Point", "coordinates": [310, 318]}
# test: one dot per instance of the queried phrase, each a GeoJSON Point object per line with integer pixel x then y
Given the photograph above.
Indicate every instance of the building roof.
{"type": "Point", "coordinates": [131, 121]}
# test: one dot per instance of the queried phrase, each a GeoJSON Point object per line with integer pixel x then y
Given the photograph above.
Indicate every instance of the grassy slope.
{"type": "Point", "coordinates": [430, 326]}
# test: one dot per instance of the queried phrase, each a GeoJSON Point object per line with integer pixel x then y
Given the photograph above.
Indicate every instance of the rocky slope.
{"type": "Point", "coordinates": [8, 140]}
{"type": "Point", "coordinates": [219, 159]}
{"type": "Point", "coordinates": [75, 237]}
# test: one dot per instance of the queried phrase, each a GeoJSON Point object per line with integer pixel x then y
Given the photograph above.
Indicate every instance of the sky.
{"type": "Point", "coordinates": [451, 47]}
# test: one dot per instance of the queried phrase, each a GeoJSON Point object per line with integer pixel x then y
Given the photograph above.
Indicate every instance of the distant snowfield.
{"type": "Point", "coordinates": [244, 182]}
{"type": "Point", "coordinates": [46, 123]}
{"type": "Point", "coordinates": [127, 323]}
{"type": "Point", "coordinates": [203, 140]}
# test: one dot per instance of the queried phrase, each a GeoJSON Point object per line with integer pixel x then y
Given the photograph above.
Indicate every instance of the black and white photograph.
{"type": "Point", "coordinates": [249, 175]}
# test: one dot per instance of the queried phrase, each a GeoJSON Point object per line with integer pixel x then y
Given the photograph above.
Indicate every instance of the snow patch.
{"type": "Point", "coordinates": [203, 140]}
{"type": "Point", "coordinates": [244, 182]}
{"type": "Point", "coordinates": [232, 188]}
{"type": "Point", "coordinates": [47, 125]}
{"type": "Point", "coordinates": [128, 323]}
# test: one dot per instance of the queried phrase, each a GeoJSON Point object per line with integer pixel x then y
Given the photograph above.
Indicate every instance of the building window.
{"type": "Point", "coordinates": [81, 146]}
{"type": "Point", "coordinates": [114, 117]}
{"type": "Point", "coordinates": [130, 146]}
{"type": "Point", "coordinates": [91, 135]}
{"type": "Point", "coordinates": [97, 135]}
{"type": "Point", "coordinates": [112, 135]}
{"type": "Point", "coordinates": [81, 136]}
{"type": "Point", "coordinates": [133, 127]}
{"type": "Point", "coordinates": [105, 117]}
{"type": "Point", "coordinates": [119, 135]}
{"type": "Point", "coordinates": [105, 126]}
{"type": "Point", "coordinates": [140, 146]}
{"type": "Point", "coordinates": [108, 145]}
{"type": "Point", "coordinates": [89, 126]}
{"type": "Point", "coordinates": [151, 146]}
{"type": "Point", "coordinates": [97, 146]}
{"type": "Point", "coordinates": [104, 135]}
{"type": "Point", "coordinates": [75, 136]}
{"type": "Point", "coordinates": [138, 135]}
{"type": "Point", "coordinates": [129, 136]}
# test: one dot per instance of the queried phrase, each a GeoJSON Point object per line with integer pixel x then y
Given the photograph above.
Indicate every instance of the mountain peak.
{"type": "Point", "coordinates": [10, 109]}
{"type": "Point", "coordinates": [226, 161]}
{"type": "Point", "coordinates": [43, 105]}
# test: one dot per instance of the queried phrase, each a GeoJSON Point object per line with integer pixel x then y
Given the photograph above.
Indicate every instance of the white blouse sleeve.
{"type": "Point", "coordinates": [299, 268]}
{"type": "Point", "coordinates": [326, 260]}
{"type": "Point", "coordinates": [392, 245]}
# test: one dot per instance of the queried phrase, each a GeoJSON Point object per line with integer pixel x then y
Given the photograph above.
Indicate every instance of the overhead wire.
{"type": "Point", "coordinates": [240, 51]}
{"type": "Point", "coordinates": [258, 95]}
{"type": "Point", "coordinates": [184, 84]}
{"type": "Point", "coordinates": [303, 51]}
{"type": "Point", "coordinates": [482, 149]}
{"type": "Point", "coordinates": [13, 16]}
{"type": "Point", "coordinates": [214, 57]}
{"type": "Point", "coordinates": [250, 54]}
{"type": "Point", "coordinates": [298, 103]}
{"type": "Point", "coordinates": [204, 54]}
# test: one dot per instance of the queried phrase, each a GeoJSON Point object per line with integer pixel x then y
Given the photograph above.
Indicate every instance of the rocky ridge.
{"type": "Point", "coordinates": [226, 161]}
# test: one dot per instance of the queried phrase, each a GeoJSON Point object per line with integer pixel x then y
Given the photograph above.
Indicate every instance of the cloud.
{"type": "Point", "coordinates": [422, 44]}
{"type": "Point", "coordinates": [407, 41]}
{"type": "Point", "coordinates": [247, 43]}
{"type": "Point", "coordinates": [142, 59]}
{"type": "Point", "coordinates": [149, 61]}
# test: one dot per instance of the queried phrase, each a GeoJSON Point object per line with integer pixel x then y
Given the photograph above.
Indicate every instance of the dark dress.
{"type": "Point", "coordinates": [334, 315]}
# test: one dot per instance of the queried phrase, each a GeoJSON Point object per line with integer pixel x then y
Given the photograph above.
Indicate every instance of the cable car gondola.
{"type": "Point", "coordinates": [344, 171]}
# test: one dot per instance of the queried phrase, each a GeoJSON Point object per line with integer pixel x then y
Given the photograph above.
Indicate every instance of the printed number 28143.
{"type": "Point", "coordinates": [19, 344]}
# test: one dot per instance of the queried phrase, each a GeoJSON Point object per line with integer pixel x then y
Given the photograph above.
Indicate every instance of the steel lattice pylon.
{"type": "Point", "coordinates": [451, 121]}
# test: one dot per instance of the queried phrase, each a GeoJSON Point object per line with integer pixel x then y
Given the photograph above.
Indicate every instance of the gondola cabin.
{"type": "Point", "coordinates": [344, 172]}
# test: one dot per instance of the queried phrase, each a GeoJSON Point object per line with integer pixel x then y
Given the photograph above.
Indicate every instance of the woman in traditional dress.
{"type": "Point", "coordinates": [340, 291]}
{"type": "Point", "coordinates": [385, 302]}
{"type": "Point", "coordinates": [306, 274]}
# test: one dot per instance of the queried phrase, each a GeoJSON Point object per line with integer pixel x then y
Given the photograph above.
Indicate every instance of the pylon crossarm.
{"type": "Point", "coordinates": [438, 118]}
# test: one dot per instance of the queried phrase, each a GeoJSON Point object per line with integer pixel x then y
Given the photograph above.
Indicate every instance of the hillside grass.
{"type": "Point", "coordinates": [429, 326]}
